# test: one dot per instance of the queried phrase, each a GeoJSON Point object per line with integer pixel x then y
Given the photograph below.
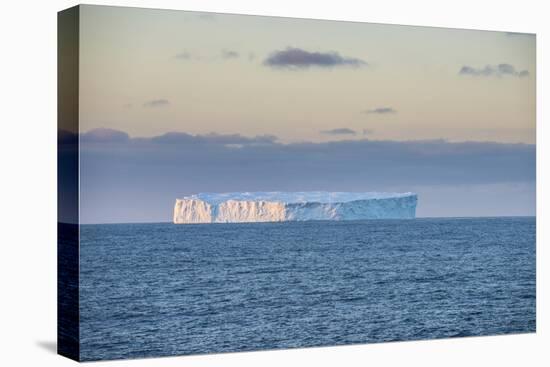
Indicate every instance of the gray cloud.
{"type": "Point", "coordinates": [229, 54]}
{"type": "Point", "coordinates": [339, 131]}
{"type": "Point", "coordinates": [381, 111]}
{"type": "Point", "coordinates": [156, 103]}
{"type": "Point", "coordinates": [499, 70]}
{"type": "Point", "coordinates": [368, 131]}
{"type": "Point", "coordinates": [103, 135]}
{"type": "Point", "coordinates": [296, 58]}
{"type": "Point", "coordinates": [171, 138]}
{"type": "Point", "coordinates": [421, 161]}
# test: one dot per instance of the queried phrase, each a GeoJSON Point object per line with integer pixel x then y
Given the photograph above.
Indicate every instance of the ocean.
{"type": "Point", "coordinates": [162, 289]}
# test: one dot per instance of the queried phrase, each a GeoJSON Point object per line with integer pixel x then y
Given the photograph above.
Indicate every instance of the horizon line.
{"type": "Point", "coordinates": [336, 221]}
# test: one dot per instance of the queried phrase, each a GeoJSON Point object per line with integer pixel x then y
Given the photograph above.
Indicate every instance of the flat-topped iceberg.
{"type": "Point", "coordinates": [242, 207]}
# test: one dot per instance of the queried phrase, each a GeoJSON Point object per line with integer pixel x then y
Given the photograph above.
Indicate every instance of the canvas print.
{"type": "Point", "coordinates": [233, 183]}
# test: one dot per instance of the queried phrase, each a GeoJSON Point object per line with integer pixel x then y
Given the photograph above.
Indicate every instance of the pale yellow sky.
{"type": "Point", "coordinates": [132, 79]}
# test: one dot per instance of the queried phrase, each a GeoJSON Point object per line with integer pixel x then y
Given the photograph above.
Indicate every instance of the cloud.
{"type": "Point", "coordinates": [381, 111]}
{"type": "Point", "coordinates": [339, 131]}
{"type": "Point", "coordinates": [170, 138]}
{"type": "Point", "coordinates": [103, 135]}
{"type": "Point", "coordinates": [229, 54]}
{"type": "Point", "coordinates": [384, 161]}
{"type": "Point", "coordinates": [499, 70]}
{"type": "Point", "coordinates": [183, 55]}
{"type": "Point", "coordinates": [368, 131]}
{"type": "Point", "coordinates": [156, 103]}
{"type": "Point", "coordinates": [211, 138]}
{"type": "Point", "coordinates": [296, 58]}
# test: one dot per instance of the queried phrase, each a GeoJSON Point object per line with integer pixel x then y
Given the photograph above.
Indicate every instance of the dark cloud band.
{"type": "Point", "coordinates": [420, 161]}
{"type": "Point", "coordinates": [170, 138]}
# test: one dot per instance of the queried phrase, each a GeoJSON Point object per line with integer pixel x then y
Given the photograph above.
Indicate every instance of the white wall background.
{"type": "Point", "coordinates": [28, 182]}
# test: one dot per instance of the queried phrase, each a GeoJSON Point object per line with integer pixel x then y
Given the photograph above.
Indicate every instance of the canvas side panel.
{"type": "Point", "coordinates": [68, 184]}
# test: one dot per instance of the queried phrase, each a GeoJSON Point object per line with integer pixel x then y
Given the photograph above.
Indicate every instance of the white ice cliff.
{"type": "Point", "coordinates": [241, 207]}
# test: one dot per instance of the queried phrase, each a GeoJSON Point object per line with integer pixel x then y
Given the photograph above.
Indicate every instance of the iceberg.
{"type": "Point", "coordinates": [246, 207]}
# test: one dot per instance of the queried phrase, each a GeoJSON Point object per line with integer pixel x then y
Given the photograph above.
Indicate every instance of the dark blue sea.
{"type": "Point", "coordinates": [164, 289]}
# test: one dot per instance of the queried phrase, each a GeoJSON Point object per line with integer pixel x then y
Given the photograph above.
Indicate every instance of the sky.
{"type": "Point", "coordinates": [174, 103]}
